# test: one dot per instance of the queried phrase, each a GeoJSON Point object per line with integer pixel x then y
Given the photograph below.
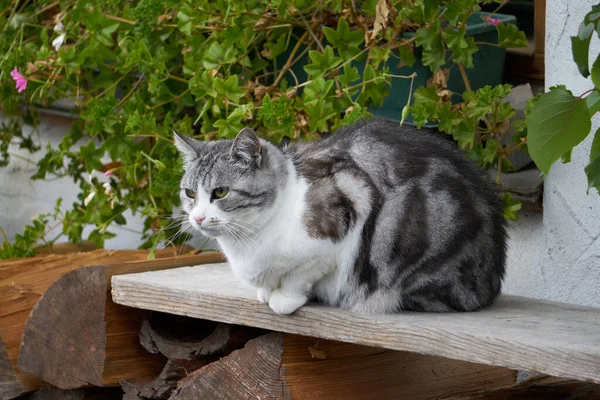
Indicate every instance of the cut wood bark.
{"type": "Point", "coordinates": [44, 301]}
{"type": "Point", "coordinates": [183, 338]}
{"type": "Point", "coordinates": [253, 372]}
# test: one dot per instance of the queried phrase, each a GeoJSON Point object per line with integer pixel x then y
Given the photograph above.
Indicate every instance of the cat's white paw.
{"type": "Point", "coordinates": [263, 295]}
{"type": "Point", "coordinates": [284, 304]}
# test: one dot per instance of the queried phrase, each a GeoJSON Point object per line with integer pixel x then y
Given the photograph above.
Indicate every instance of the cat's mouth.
{"type": "Point", "coordinates": [211, 230]}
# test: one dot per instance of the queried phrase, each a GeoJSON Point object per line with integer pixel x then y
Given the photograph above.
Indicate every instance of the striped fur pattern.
{"type": "Point", "coordinates": [375, 218]}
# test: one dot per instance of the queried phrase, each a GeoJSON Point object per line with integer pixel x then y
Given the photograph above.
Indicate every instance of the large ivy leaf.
{"type": "Point", "coordinates": [558, 122]}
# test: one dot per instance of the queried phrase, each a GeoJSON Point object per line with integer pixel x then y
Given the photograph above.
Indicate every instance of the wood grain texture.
{"type": "Point", "coordinates": [9, 384]}
{"type": "Point", "coordinates": [64, 341]}
{"type": "Point", "coordinates": [23, 282]}
{"type": "Point", "coordinates": [518, 333]}
{"type": "Point", "coordinates": [253, 372]}
{"type": "Point", "coordinates": [354, 372]}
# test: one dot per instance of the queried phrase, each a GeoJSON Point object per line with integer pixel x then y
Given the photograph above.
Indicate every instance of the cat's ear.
{"type": "Point", "coordinates": [246, 148]}
{"type": "Point", "coordinates": [187, 146]}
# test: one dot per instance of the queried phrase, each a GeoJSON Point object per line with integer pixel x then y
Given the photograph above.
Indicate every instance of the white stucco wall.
{"type": "Point", "coordinates": [21, 198]}
{"type": "Point", "coordinates": [557, 255]}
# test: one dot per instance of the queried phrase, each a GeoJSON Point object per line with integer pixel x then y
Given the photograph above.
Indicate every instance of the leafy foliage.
{"type": "Point", "coordinates": [137, 70]}
{"type": "Point", "coordinates": [558, 121]}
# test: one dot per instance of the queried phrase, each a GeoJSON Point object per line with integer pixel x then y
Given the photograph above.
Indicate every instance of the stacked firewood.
{"type": "Point", "coordinates": [62, 337]}
{"type": "Point", "coordinates": [60, 329]}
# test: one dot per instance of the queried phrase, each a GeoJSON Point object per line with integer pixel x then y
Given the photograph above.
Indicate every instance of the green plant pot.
{"type": "Point", "coordinates": [488, 67]}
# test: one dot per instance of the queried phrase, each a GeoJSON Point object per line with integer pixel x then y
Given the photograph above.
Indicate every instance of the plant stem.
{"type": "Point", "coordinates": [6, 243]}
{"type": "Point", "coordinates": [289, 64]}
{"type": "Point", "coordinates": [463, 73]}
{"type": "Point", "coordinates": [119, 19]}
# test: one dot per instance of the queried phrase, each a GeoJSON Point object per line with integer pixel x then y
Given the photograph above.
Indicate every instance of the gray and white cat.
{"type": "Point", "coordinates": [375, 218]}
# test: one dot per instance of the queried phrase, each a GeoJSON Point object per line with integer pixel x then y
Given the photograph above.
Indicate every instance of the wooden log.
{"type": "Point", "coordinates": [540, 388]}
{"type": "Point", "coordinates": [253, 372]}
{"type": "Point", "coordinates": [519, 333]}
{"type": "Point", "coordinates": [279, 366]}
{"type": "Point", "coordinates": [184, 338]}
{"type": "Point", "coordinates": [56, 342]}
{"type": "Point", "coordinates": [166, 382]}
{"type": "Point", "coordinates": [9, 384]}
{"type": "Point", "coordinates": [189, 344]}
{"type": "Point", "coordinates": [51, 393]}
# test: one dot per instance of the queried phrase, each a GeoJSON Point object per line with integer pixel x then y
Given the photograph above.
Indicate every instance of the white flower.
{"type": "Point", "coordinates": [58, 42]}
{"type": "Point", "coordinates": [107, 188]}
{"type": "Point", "coordinates": [89, 198]}
{"type": "Point", "coordinates": [60, 39]}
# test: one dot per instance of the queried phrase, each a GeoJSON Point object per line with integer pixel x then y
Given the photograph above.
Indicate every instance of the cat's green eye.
{"type": "Point", "coordinates": [219, 193]}
{"type": "Point", "coordinates": [190, 193]}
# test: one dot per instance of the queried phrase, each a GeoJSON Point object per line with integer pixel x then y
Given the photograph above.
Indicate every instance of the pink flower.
{"type": "Point", "coordinates": [108, 173]}
{"type": "Point", "coordinates": [20, 80]}
{"type": "Point", "coordinates": [493, 21]}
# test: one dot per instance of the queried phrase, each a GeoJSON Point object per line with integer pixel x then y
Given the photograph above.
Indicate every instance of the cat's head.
{"type": "Point", "coordinates": [229, 187]}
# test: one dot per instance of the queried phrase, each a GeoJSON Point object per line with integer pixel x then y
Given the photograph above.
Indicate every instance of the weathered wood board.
{"type": "Point", "coordinates": [519, 333]}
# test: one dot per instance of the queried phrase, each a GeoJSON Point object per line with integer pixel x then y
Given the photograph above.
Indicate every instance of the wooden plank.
{"type": "Point", "coordinates": [518, 333]}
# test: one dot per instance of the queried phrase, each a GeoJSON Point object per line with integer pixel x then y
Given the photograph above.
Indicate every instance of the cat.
{"type": "Point", "coordinates": [376, 218]}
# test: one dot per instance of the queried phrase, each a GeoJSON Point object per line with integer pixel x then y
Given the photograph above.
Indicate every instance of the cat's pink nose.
{"type": "Point", "coordinates": [199, 219]}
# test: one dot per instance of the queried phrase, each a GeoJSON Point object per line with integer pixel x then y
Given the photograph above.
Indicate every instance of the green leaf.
{"type": "Point", "coordinates": [407, 54]}
{"type": "Point", "coordinates": [592, 170]}
{"type": "Point", "coordinates": [596, 73]}
{"type": "Point", "coordinates": [318, 88]}
{"type": "Point", "coordinates": [277, 47]}
{"type": "Point", "coordinates": [229, 88]}
{"type": "Point", "coordinates": [428, 98]}
{"type": "Point", "coordinates": [510, 37]}
{"type": "Point", "coordinates": [593, 102]}
{"type": "Point", "coordinates": [595, 150]}
{"type": "Point", "coordinates": [464, 133]}
{"type": "Point", "coordinates": [580, 45]}
{"type": "Point", "coordinates": [346, 41]}
{"type": "Point", "coordinates": [350, 75]}
{"type": "Point", "coordinates": [456, 10]}
{"type": "Point", "coordinates": [557, 123]}
{"type": "Point", "coordinates": [511, 207]}
{"type": "Point", "coordinates": [433, 46]}
{"type": "Point", "coordinates": [448, 118]}
{"type": "Point", "coordinates": [321, 62]}
{"type": "Point", "coordinates": [566, 158]}
{"type": "Point", "coordinates": [462, 47]}
{"type": "Point", "coordinates": [217, 55]}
